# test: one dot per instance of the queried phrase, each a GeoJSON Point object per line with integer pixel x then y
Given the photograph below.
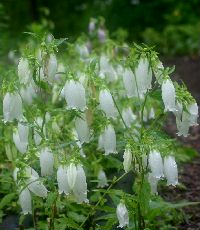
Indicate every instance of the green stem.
{"type": "Point", "coordinates": [92, 212]}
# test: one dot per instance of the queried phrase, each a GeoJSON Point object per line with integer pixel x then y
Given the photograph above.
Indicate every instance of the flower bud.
{"type": "Point", "coordinates": [107, 103]}
{"type": "Point", "coordinates": [122, 215]}
{"type": "Point", "coordinates": [127, 159]}
{"type": "Point", "coordinates": [128, 116]}
{"type": "Point", "coordinates": [25, 201]}
{"type": "Point", "coordinates": [102, 179]}
{"type": "Point", "coordinates": [170, 170]}
{"type": "Point", "coordinates": [12, 107]}
{"type": "Point", "coordinates": [62, 180]}
{"type": "Point", "coordinates": [82, 129]}
{"type": "Point", "coordinates": [156, 164]}
{"type": "Point", "coordinates": [109, 140]}
{"type": "Point", "coordinates": [130, 83]}
{"type": "Point", "coordinates": [153, 181]}
{"type": "Point", "coordinates": [168, 95]}
{"type": "Point", "coordinates": [46, 162]}
{"type": "Point", "coordinates": [75, 95]}
{"type": "Point", "coordinates": [25, 73]}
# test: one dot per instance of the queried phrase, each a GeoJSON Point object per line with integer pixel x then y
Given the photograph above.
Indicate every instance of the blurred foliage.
{"type": "Point", "coordinates": [171, 25]}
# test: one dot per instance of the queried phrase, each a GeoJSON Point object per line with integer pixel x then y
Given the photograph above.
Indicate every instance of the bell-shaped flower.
{"type": "Point", "coordinates": [153, 181]}
{"type": "Point", "coordinates": [20, 138]}
{"type": "Point", "coordinates": [78, 143]}
{"type": "Point", "coordinates": [156, 164]}
{"type": "Point", "coordinates": [82, 129]}
{"type": "Point", "coordinates": [80, 186]}
{"type": "Point", "coordinates": [37, 137]}
{"type": "Point", "coordinates": [193, 111]}
{"type": "Point", "coordinates": [127, 159]}
{"type": "Point", "coordinates": [170, 170]}
{"type": "Point", "coordinates": [34, 184]}
{"type": "Point", "coordinates": [75, 95]}
{"type": "Point", "coordinates": [152, 113]}
{"type": "Point", "coordinates": [46, 161]}
{"type": "Point", "coordinates": [71, 175]}
{"type": "Point", "coordinates": [109, 140]}
{"type": "Point", "coordinates": [100, 142]}
{"type": "Point", "coordinates": [102, 179]}
{"type": "Point", "coordinates": [28, 93]}
{"type": "Point", "coordinates": [25, 201]}
{"type": "Point", "coordinates": [122, 215]}
{"type": "Point", "coordinates": [107, 103]}
{"type": "Point", "coordinates": [83, 51]}
{"type": "Point", "coordinates": [107, 71]}
{"type": "Point", "coordinates": [25, 72]}
{"type": "Point", "coordinates": [168, 95]}
{"type": "Point", "coordinates": [128, 116]}
{"type": "Point", "coordinates": [51, 67]}
{"type": "Point", "coordinates": [62, 179]}
{"type": "Point", "coordinates": [91, 26]}
{"type": "Point", "coordinates": [129, 83]}
{"type": "Point", "coordinates": [101, 35]}
{"type": "Point", "coordinates": [143, 76]}
{"type": "Point", "coordinates": [12, 107]}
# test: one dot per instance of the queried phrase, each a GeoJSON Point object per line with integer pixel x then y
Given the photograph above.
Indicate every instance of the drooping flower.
{"type": "Point", "coordinates": [101, 35]}
{"type": "Point", "coordinates": [37, 137]}
{"type": "Point", "coordinates": [186, 118]}
{"type": "Point", "coordinates": [129, 83]}
{"type": "Point", "coordinates": [80, 186]}
{"type": "Point", "coordinates": [82, 129]}
{"type": "Point", "coordinates": [168, 95]}
{"type": "Point", "coordinates": [127, 159]}
{"type": "Point", "coordinates": [102, 179]}
{"type": "Point", "coordinates": [128, 116]}
{"type": "Point", "coordinates": [143, 76]}
{"type": "Point", "coordinates": [156, 164]}
{"type": "Point", "coordinates": [12, 106]}
{"type": "Point", "coordinates": [28, 93]}
{"type": "Point", "coordinates": [25, 72]}
{"type": "Point", "coordinates": [62, 179]}
{"type": "Point", "coordinates": [107, 71]}
{"type": "Point", "coordinates": [71, 175]}
{"type": "Point", "coordinates": [100, 142]}
{"type": "Point", "coordinates": [107, 103]}
{"type": "Point", "coordinates": [170, 170]}
{"type": "Point", "coordinates": [34, 183]}
{"type": "Point", "coordinates": [122, 215]}
{"type": "Point", "coordinates": [153, 181]}
{"type": "Point", "coordinates": [109, 140]}
{"type": "Point", "coordinates": [91, 26]}
{"type": "Point", "coordinates": [25, 201]}
{"type": "Point", "coordinates": [75, 95]}
{"type": "Point", "coordinates": [51, 67]}
{"type": "Point", "coordinates": [20, 137]}
{"type": "Point", "coordinates": [72, 180]}
{"type": "Point", "coordinates": [46, 161]}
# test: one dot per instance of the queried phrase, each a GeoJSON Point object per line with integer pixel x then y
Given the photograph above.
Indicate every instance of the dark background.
{"type": "Point", "coordinates": [172, 25]}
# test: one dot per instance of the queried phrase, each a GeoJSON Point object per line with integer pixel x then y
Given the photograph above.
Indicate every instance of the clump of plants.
{"type": "Point", "coordinates": [76, 124]}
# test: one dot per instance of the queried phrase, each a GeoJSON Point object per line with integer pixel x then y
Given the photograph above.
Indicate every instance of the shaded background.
{"type": "Point", "coordinates": [172, 25]}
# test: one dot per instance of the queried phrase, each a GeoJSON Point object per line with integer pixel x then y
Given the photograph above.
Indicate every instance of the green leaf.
{"type": "Point", "coordinates": [7, 200]}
